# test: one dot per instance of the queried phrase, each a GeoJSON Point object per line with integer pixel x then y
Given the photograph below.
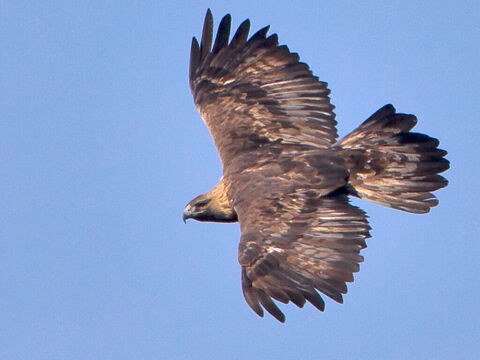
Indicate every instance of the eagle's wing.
{"type": "Point", "coordinates": [297, 235]}
{"type": "Point", "coordinates": [273, 126]}
{"type": "Point", "coordinates": [253, 93]}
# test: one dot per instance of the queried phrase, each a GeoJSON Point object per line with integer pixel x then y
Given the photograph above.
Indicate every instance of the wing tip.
{"type": "Point", "coordinates": [194, 56]}
{"type": "Point", "coordinates": [223, 34]}
{"type": "Point", "coordinates": [241, 34]}
{"type": "Point", "coordinates": [315, 299]}
{"type": "Point", "coordinates": [260, 34]}
{"type": "Point", "coordinates": [227, 17]}
{"type": "Point", "coordinates": [207, 34]}
{"type": "Point", "coordinates": [209, 15]}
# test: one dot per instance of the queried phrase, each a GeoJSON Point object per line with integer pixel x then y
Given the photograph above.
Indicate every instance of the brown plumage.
{"type": "Point", "coordinates": [286, 178]}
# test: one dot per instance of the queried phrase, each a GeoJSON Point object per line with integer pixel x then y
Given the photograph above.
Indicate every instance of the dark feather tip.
{"type": "Point", "coordinates": [223, 34]}
{"type": "Point", "coordinates": [207, 34]}
{"type": "Point", "coordinates": [260, 34]}
{"type": "Point", "coordinates": [241, 34]}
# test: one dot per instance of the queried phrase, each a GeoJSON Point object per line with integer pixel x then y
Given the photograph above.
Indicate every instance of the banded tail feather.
{"type": "Point", "coordinates": [392, 166]}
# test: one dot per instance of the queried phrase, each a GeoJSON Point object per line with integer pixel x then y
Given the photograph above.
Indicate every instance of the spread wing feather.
{"type": "Point", "coordinates": [273, 126]}
{"type": "Point", "coordinates": [254, 93]}
{"type": "Point", "coordinates": [299, 233]}
{"type": "Point", "coordinates": [309, 242]}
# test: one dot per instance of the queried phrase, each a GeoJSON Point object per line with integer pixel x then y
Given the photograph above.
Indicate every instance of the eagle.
{"type": "Point", "coordinates": [287, 179]}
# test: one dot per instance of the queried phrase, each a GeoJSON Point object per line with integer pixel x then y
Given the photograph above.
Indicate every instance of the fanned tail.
{"type": "Point", "coordinates": [392, 166]}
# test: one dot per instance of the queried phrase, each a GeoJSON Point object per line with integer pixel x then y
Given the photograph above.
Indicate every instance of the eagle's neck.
{"type": "Point", "coordinates": [220, 208]}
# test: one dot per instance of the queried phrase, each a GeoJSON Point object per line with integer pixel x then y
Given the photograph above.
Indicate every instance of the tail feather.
{"type": "Point", "coordinates": [392, 166]}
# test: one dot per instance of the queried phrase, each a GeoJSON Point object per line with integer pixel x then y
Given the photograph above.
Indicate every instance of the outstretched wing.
{"type": "Point", "coordinates": [254, 93]}
{"type": "Point", "coordinates": [273, 126]}
{"type": "Point", "coordinates": [296, 239]}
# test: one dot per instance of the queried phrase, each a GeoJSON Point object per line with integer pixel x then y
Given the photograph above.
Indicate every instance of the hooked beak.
{"type": "Point", "coordinates": [187, 214]}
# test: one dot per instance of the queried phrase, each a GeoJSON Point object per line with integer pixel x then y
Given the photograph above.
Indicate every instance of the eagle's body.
{"type": "Point", "coordinates": [287, 178]}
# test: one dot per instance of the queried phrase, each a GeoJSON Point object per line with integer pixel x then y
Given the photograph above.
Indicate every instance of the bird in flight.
{"type": "Point", "coordinates": [287, 178]}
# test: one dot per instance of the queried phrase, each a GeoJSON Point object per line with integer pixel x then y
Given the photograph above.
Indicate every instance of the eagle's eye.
{"type": "Point", "coordinates": [202, 203]}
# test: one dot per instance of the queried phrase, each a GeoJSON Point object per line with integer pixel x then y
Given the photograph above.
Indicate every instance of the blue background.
{"type": "Point", "coordinates": [101, 147]}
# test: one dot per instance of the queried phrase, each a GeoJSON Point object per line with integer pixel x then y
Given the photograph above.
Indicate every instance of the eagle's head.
{"type": "Point", "coordinates": [207, 207]}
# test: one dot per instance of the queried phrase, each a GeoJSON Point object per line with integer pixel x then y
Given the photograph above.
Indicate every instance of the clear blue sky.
{"type": "Point", "coordinates": [101, 148]}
